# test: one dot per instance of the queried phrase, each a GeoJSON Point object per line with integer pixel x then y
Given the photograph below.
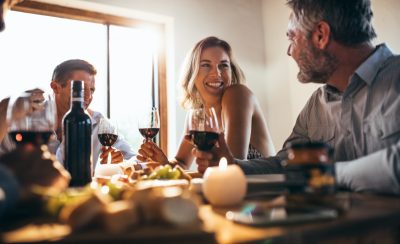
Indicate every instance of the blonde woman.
{"type": "Point", "coordinates": [212, 78]}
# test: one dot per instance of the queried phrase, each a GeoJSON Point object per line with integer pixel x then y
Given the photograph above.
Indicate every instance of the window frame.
{"type": "Point", "coordinates": [57, 10]}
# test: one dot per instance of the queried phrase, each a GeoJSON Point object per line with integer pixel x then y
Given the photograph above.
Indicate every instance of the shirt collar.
{"type": "Point", "coordinates": [368, 70]}
{"type": "Point", "coordinates": [96, 117]}
{"type": "Point", "coordinates": [331, 93]}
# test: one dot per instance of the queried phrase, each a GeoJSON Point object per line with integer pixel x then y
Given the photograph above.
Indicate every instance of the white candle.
{"type": "Point", "coordinates": [108, 170]}
{"type": "Point", "coordinates": [224, 185]}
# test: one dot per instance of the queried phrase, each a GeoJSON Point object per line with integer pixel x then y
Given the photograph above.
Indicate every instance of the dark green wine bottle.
{"type": "Point", "coordinates": [77, 129]}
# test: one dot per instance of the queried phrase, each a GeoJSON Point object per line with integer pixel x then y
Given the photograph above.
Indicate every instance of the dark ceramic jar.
{"type": "Point", "coordinates": [310, 168]}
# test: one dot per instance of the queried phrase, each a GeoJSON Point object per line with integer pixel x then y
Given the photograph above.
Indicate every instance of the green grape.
{"type": "Point", "coordinates": [168, 166]}
{"type": "Point", "coordinates": [158, 168]}
{"type": "Point", "coordinates": [174, 174]}
{"type": "Point", "coordinates": [163, 172]}
{"type": "Point", "coordinates": [114, 191]}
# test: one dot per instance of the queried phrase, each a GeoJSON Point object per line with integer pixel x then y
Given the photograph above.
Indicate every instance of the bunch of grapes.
{"type": "Point", "coordinates": [165, 172]}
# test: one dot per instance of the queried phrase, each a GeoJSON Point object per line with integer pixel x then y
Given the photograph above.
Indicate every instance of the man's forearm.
{"type": "Point", "coordinates": [270, 165]}
{"type": "Point", "coordinates": [377, 172]}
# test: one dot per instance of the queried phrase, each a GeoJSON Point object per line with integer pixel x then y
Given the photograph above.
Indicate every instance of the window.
{"type": "Point", "coordinates": [121, 49]}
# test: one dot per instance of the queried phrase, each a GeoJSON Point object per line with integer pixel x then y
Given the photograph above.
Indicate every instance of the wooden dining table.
{"type": "Point", "coordinates": [363, 218]}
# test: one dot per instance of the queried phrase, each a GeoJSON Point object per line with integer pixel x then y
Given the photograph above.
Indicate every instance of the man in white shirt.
{"type": "Point", "coordinates": [76, 69]}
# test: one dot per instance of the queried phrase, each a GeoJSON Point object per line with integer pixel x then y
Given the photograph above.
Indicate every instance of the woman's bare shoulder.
{"type": "Point", "coordinates": [237, 92]}
{"type": "Point", "coordinates": [238, 98]}
{"type": "Point", "coordinates": [238, 89]}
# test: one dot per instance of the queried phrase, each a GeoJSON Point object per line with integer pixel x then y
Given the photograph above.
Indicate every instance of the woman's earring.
{"type": "Point", "coordinates": [198, 102]}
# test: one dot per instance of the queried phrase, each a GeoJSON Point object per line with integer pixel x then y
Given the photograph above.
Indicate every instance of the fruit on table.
{"type": "Point", "coordinates": [165, 172]}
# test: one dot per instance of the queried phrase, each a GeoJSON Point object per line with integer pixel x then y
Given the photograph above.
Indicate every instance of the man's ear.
{"type": "Point", "coordinates": [321, 35]}
{"type": "Point", "coordinates": [55, 86]}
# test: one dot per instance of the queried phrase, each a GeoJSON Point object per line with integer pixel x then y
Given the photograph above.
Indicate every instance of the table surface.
{"type": "Point", "coordinates": [367, 218]}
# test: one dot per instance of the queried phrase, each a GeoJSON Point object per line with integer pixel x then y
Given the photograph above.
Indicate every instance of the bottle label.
{"type": "Point", "coordinates": [77, 99]}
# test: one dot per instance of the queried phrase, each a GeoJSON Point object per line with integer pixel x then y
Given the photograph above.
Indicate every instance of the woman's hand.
{"type": "Point", "coordinates": [116, 155]}
{"type": "Point", "coordinates": [210, 158]}
{"type": "Point", "coordinates": [149, 150]}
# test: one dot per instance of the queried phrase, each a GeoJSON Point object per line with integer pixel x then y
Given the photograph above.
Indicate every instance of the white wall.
{"type": "Point", "coordinates": [387, 22]}
{"type": "Point", "coordinates": [286, 96]}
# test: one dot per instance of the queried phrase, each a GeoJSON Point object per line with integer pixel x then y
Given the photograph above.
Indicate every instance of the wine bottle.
{"type": "Point", "coordinates": [77, 131]}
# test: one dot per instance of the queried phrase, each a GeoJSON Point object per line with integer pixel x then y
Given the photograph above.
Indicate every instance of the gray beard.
{"type": "Point", "coordinates": [317, 66]}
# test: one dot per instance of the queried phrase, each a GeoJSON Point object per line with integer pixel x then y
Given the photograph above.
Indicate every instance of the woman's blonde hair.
{"type": "Point", "coordinates": [191, 97]}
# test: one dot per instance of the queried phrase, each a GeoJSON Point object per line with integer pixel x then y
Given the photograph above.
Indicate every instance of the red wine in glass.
{"type": "Point", "coordinates": [36, 138]}
{"type": "Point", "coordinates": [107, 139]}
{"type": "Point", "coordinates": [204, 140]}
{"type": "Point", "coordinates": [149, 124]}
{"type": "Point", "coordinates": [108, 132]}
{"type": "Point", "coordinates": [149, 133]}
{"type": "Point", "coordinates": [203, 128]}
{"type": "Point", "coordinates": [31, 118]}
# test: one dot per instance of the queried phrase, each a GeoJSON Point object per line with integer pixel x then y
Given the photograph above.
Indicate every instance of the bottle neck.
{"type": "Point", "coordinates": [77, 99]}
{"type": "Point", "coordinates": [77, 88]}
{"type": "Point", "coordinates": [77, 103]}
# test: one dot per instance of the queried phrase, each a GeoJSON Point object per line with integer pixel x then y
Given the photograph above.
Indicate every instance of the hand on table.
{"type": "Point", "coordinates": [116, 155]}
{"type": "Point", "coordinates": [205, 159]}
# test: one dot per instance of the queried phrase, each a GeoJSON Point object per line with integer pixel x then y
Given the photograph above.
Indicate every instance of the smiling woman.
{"type": "Point", "coordinates": [123, 54]}
{"type": "Point", "coordinates": [211, 79]}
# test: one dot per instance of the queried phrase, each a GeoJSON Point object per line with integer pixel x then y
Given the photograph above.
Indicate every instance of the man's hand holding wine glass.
{"type": "Point", "coordinates": [108, 135]}
{"type": "Point", "coordinates": [115, 155]}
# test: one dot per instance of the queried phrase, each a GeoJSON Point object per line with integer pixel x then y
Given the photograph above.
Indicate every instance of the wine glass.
{"type": "Point", "coordinates": [149, 124]}
{"type": "Point", "coordinates": [108, 132]}
{"type": "Point", "coordinates": [203, 127]}
{"type": "Point", "coordinates": [31, 117]}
